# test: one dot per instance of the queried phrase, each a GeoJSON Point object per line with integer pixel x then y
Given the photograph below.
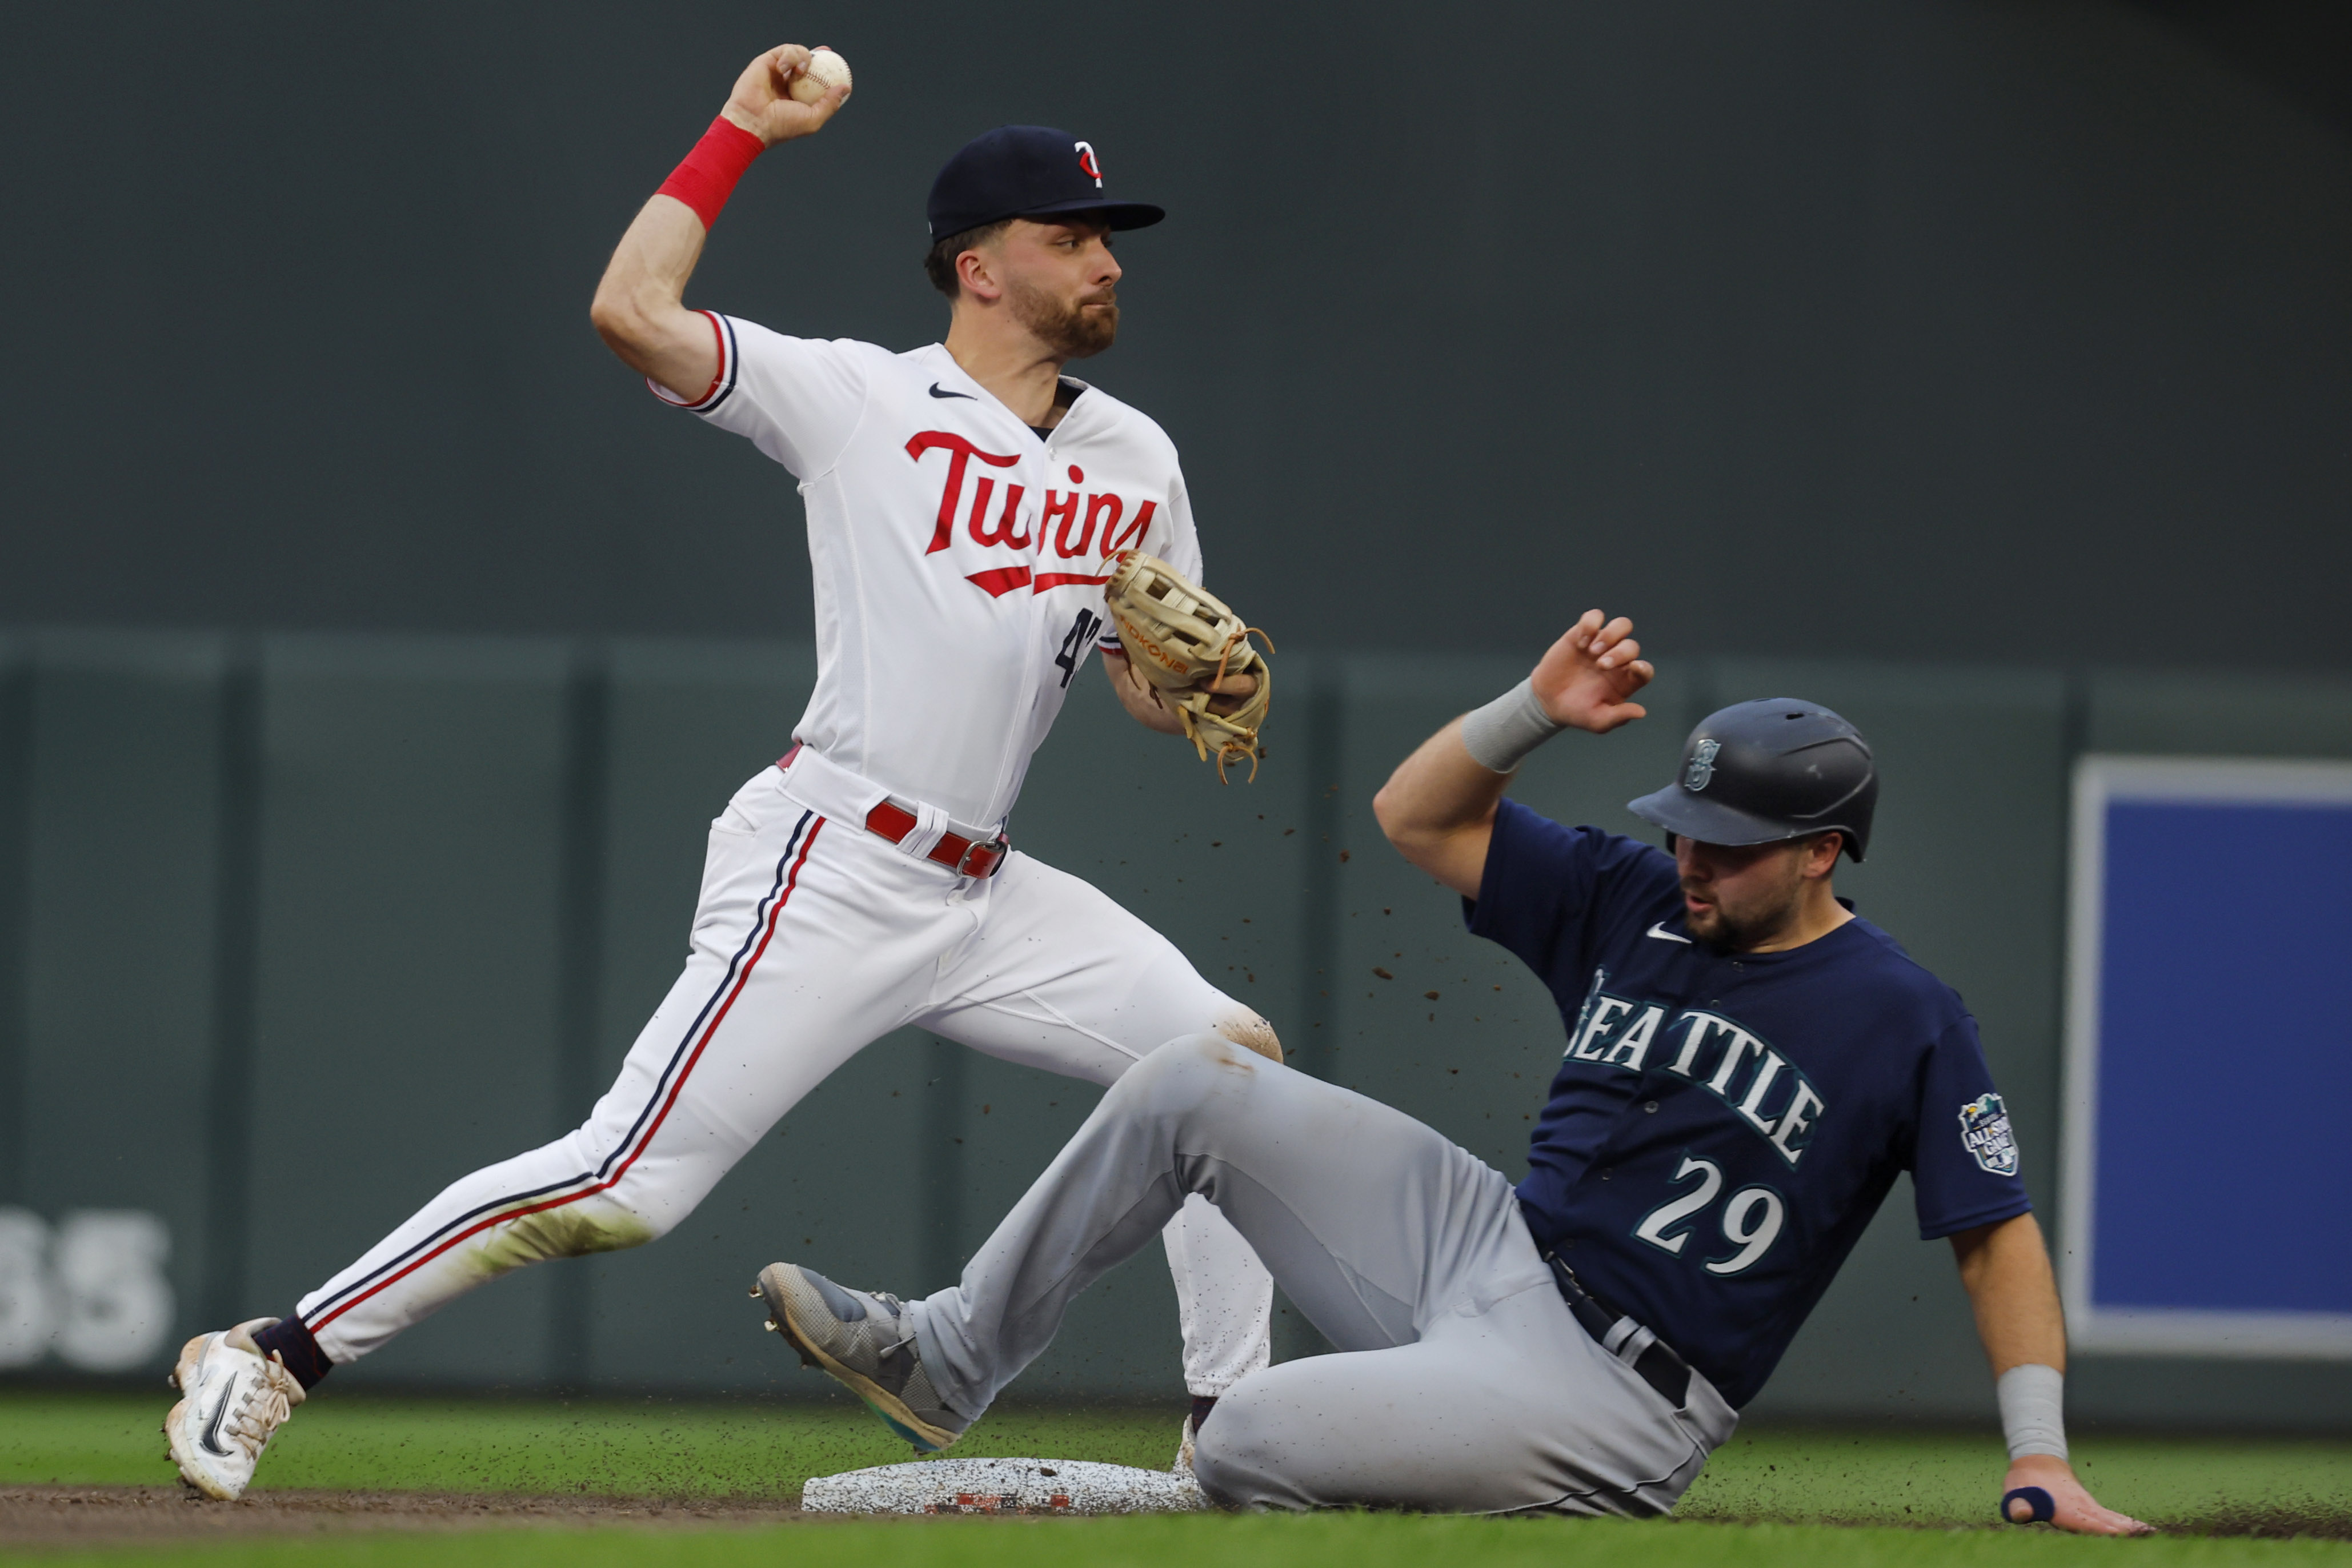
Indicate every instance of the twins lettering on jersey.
{"type": "Point", "coordinates": [1076, 526]}
{"type": "Point", "coordinates": [1762, 1088]}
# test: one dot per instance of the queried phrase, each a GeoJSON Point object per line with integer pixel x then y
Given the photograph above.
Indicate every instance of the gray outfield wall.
{"type": "Point", "coordinates": [2028, 322]}
{"type": "Point", "coordinates": [295, 930]}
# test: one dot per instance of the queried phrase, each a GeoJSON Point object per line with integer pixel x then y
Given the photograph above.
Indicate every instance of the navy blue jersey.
{"type": "Point", "coordinates": [1723, 1125]}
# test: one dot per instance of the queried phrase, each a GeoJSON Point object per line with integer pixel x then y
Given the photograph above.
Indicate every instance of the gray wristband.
{"type": "Point", "coordinates": [1500, 736]}
{"type": "Point", "coordinates": [2031, 1398]}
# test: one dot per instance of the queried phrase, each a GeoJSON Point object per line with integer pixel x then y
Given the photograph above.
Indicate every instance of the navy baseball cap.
{"type": "Point", "coordinates": [1027, 171]}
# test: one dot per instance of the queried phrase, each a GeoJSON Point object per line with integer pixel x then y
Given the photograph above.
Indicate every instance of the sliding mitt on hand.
{"type": "Point", "coordinates": [1180, 638]}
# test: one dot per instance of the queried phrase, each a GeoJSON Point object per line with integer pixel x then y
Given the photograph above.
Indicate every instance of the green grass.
{"type": "Point", "coordinates": [647, 1448]}
{"type": "Point", "coordinates": [652, 1448]}
{"type": "Point", "coordinates": [1913, 1478]}
{"type": "Point", "coordinates": [1343, 1541]}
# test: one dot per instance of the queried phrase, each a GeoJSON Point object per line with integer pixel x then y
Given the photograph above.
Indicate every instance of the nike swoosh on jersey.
{"type": "Point", "coordinates": [939, 391]}
{"type": "Point", "coordinates": [1661, 934]}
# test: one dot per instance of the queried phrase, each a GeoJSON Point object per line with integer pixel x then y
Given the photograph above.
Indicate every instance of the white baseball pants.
{"type": "Point", "coordinates": [811, 938]}
{"type": "Point", "coordinates": [1463, 1382]}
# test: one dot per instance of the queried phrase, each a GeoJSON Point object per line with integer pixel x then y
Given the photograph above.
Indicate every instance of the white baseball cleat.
{"type": "Point", "coordinates": [232, 1402]}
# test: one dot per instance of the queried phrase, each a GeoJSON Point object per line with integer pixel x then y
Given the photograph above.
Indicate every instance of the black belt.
{"type": "Point", "coordinates": [1657, 1365]}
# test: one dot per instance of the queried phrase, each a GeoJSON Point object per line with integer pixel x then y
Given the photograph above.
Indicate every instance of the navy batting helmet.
{"type": "Point", "coordinates": [1762, 771]}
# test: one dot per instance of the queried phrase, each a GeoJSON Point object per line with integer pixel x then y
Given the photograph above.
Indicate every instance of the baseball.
{"type": "Point", "coordinates": [825, 72]}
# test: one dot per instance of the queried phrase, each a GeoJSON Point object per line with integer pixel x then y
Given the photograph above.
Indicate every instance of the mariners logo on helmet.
{"type": "Point", "coordinates": [1702, 765]}
{"type": "Point", "coordinates": [1984, 1132]}
{"type": "Point", "coordinates": [1087, 161]}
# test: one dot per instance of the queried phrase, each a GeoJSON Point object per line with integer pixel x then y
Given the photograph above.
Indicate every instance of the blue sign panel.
{"type": "Point", "coordinates": [2207, 1160]}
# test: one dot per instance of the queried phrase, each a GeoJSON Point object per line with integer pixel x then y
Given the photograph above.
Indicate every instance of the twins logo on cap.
{"type": "Point", "coordinates": [1028, 172]}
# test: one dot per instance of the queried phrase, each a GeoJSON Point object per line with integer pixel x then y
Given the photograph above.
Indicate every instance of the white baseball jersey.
{"type": "Point", "coordinates": [959, 559]}
{"type": "Point", "coordinates": [959, 562]}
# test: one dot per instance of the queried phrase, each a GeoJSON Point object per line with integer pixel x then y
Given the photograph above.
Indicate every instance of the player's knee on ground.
{"type": "Point", "coordinates": [1236, 1455]}
{"type": "Point", "coordinates": [1247, 1029]}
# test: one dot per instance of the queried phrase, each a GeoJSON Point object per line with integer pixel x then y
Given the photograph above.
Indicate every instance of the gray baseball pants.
{"type": "Point", "coordinates": [1463, 1382]}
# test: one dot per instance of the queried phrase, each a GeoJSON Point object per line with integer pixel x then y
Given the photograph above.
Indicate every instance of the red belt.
{"type": "Point", "coordinates": [967, 857]}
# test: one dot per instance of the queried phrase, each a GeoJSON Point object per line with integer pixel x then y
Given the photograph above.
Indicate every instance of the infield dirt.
{"type": "Point", "coordinates": [32, 1515]}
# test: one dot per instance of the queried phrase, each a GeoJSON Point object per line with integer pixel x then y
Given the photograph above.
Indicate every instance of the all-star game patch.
{"type": "Point", "coordinates": [1984, 1129]}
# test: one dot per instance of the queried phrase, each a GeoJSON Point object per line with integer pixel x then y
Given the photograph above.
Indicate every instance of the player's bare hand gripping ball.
{"type": "Point", "coordinates": [1586, 679]}
{"type": "Point", "coordinates": [825, 72]}
{"type": "Point", "coordinates": [768, 102]}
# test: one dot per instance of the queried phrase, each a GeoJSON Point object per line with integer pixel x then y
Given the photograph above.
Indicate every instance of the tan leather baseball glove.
{"type": "Point", "coordinates": [1180, 637]}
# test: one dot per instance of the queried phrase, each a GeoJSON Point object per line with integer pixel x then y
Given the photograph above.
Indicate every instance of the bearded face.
{"type": "Point", "coordinates": [1741, 898]}
{"type": "Point", "coordinates": [1075, 328]}
{"type": "Point", "coordinates": [1739, 923]}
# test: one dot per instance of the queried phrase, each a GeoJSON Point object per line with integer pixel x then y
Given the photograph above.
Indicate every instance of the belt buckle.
{"type": "Point", "coordinates": [981, 858]}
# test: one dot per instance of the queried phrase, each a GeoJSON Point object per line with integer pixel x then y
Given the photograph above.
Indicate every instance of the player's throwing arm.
{"type": "Point", "coordinates": [640, 309]}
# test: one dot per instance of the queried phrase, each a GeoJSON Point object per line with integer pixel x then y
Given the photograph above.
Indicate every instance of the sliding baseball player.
{"type": "Point", "coordinates": [1745, 1069]}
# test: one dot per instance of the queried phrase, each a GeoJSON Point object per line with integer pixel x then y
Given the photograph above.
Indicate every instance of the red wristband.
{"type": "Point", "coordinates": [708, 177]}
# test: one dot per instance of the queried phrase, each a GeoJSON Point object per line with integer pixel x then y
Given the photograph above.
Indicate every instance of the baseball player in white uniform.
{"type": "Point", "coordinates": [962, 501]}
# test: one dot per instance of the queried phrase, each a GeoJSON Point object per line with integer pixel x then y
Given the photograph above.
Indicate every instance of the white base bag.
{"type": "Point", "coordinates": [1003, 1486]}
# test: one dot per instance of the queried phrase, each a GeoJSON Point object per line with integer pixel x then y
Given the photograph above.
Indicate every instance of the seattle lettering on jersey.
{"type": "Point", "coordinates": [1767, 1092]}
{"type": "Point", "coordinates": [1092, 530]}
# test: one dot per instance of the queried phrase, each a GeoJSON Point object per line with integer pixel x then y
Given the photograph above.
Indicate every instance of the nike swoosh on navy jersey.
{"type": "Point", "coordinates": [1661, 934]}
{"type": "Point", "coordinates": [939, 391]}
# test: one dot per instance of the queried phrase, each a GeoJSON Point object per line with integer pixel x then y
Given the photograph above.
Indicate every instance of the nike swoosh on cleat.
{"type": "Point", "coordinates": [1661, 934]}
{"type": "Point", "coordinates": [210, 1442]}
{"type": "Point", "coordinates": [939, 391]}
